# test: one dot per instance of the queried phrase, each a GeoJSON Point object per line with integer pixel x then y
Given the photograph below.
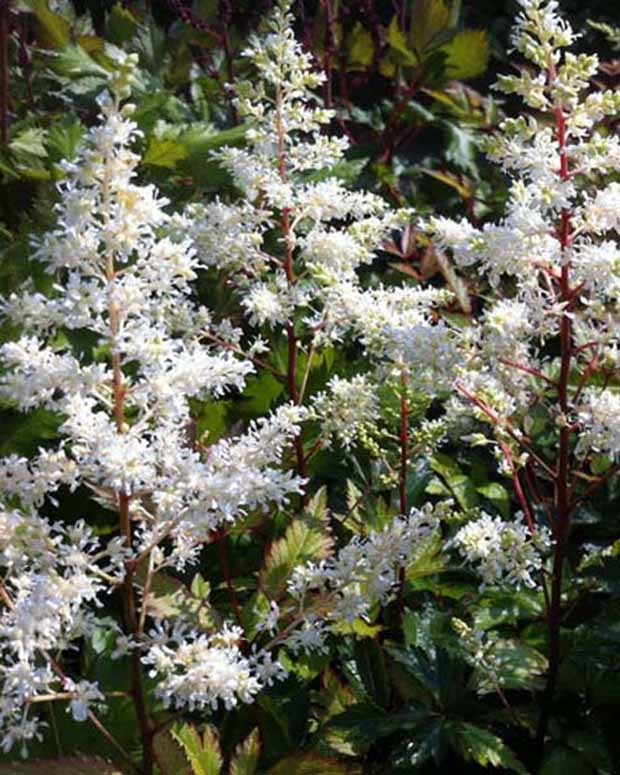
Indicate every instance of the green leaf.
{"type": "Point", "coordinates": [247, 754]}
{"type": "Point", "coordinates": [364, 723]}
{"type": "Point", "coordinates": [429, 19]}
{"type": "Point", "coordinates": [164, 153]}
{"type": "Point", "coordinates": [260, 393]}
{"type": "Point", "coordinates": [64, 137]}
{"type": "Point", "coordinates": [361, 49]}
{"type": "Point", "coordinates": [370, 663]}
{"type": "Point", "coordinates": [24, 433]}
{"type": "Point", "coordinates": [204, 752]}
{"type": "Point", "coordinates": [467, 54]}
{"type": "Point", "coordinates": [170, 755]}
{"type": "Point", "coordinates": [121, 25]}
{"type": "Point", "coordinates": [75, 765]}
{"type": "Point", "coordinates": [478, 745]}
{"type": "Point", "coordinates": [74, 61]}
{"type": "Point", "coordinates": [430, 560]}
{"type": "Point", "coordinates": [398, 43]}
{"type": "Point", "coordinates": [30, 142]}
{"type": "Point", "coordinates": [301, 542]}
{"type": "Point", "coordinates": [522, 667]}
{"type": "Point", "coordinates": [54, 30]}
{"type": "Point", "coordinates": [458, 484]}
{"type": "Point", "coordinates": [498, 495]}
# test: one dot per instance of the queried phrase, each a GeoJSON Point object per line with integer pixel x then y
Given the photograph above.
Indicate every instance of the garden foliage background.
{"type": "Point", "coordinates": [426, 670]}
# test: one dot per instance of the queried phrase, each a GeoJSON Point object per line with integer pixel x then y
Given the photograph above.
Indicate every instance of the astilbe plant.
{"type": "Point", "coordinates": [125, 438]}
{"type": "Point", "coordinates": [538, 370]}
{"type": "Point", "coordinates": [293, 250]}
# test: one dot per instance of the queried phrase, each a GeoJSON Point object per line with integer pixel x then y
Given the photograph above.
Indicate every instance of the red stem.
{"type": "Point", "coordinates": [518, 488]}
{"type": "Point", "coordinates": [562, 483]}
{"type": "Point", "coordinates": [404, 442]}
{"type": "Point", "coordinates": [289, 269]}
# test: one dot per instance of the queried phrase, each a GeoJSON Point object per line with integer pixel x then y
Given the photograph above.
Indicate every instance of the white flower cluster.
{"type": "Point", "coordinates": [197, 671]}
{"type": "Point", "coordinates": [54, 581]}
{"type": "Point", "coordinates": [554, 258]}
{"type": "Point", "coordinates": [503, 552]}
{"type": "Point", "coordinates": [350, 406]}
{"type": "Point", "coordinates": [361, 575]}
{"type": "Point", "coordinates": [600, 422]}
{"type": "Point", "coordinates": [326, 232]}
{"type": "Point", "coordinates": [397, 328]}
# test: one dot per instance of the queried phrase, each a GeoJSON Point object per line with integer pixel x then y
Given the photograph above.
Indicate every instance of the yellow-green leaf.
{"type": "Point", "coordinates": [361, 48]}
{"type": "Point", "coordinates": [429, 19]}
{"type": "Point", "coordinates": [303, 541]}
{"type": "Point", "coordinates": [204, 753]}
{"type": "Point", "coordinates": [164, 153]}
{"type": "Point", "coordinates": [54, 30]}
{"type": "Point", "coordinates": [247, 753]}
{"type": "Point", "coordinates": [398, 43]}
{"type": "Point", "coordinates": [314, 764]}
{"type": "Point", "coordinates": [451, 180]}
{"type": "Point", "coordinates": [467, 54]}
{"type": "Point", "coordinates": [170, 754]}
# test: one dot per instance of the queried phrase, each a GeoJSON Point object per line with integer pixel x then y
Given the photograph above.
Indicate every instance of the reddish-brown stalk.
{"type": "Point", "coordinates": [132, 621]}
{"type": "Point", "coordinates": [562, 480]}
{"type": "Point", "coordinates": [404, 442]}
{"type": "Point", "coordinates": [289, 269]}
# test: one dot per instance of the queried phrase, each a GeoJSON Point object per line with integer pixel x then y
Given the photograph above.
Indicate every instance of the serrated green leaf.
{"type": "Point", "coordinates": [260, 393]}
{"type": "Point", "coordinates": [522, 667]}
{"type": "Point", "coordinates": [498, 495]}
{"type": "Point", "coordinates": [481, 746]}
{"type": "Point", "coordinates": [54, 30]}
{"type": "Point", "coordinates": [458, 484]}
{"type": "Point", "coordinates": [73, 61]}
{"type": "Point", "coordinates": [164, 153]}
{"type": "Point", "coordinates": [467, 54]}
{"type": "Point", "coordinates": [170, 755]}
{"type": "Point", "coordinates": [365, 723]}
{"type": "Point", "coordinates": [24, 433]}
{"type": "Point", "coordinates": [400, 49]}
{"type": "Point", "coordinates": [30, 142]}
{"type": "Point", "coordinates": [301, 543]}
{"type": "Point", "coordinates": [203, 752]}
{"type": "Point", "coordinates": [64, 137]}
{"type": "Point", "coordinates": [429, 19]}
{"type": "Point", "coordinates": [247, 754]}
{"type": "Point", "coordinates": [370, 663]}
{"type": "Point", "coordinates": [121, 25]}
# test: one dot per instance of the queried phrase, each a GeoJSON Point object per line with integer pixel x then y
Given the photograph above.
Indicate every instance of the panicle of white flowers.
{"type": "Point", "coordinates": [198, 671]}
{"type": "Point", "coordinates": [349, 406]}
{"type": "Point", "coordinates": [331, 231]}
{"type": "Point", "coordinates": [361, 575]}
{"type": "Point", "coordinates": [54, 583]}
{"type": "Point", "coordinates": [503, 552]}
{"type": "Point", "coordinates": [397, 328]}
{"type": "Point", "coordinates": [600, 423]}
{"type": "Point", "coordinates": [557, 170]}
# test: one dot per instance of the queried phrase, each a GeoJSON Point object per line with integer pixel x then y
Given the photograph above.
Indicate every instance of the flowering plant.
{"type": "Point", "coordinates": [331, 511]}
